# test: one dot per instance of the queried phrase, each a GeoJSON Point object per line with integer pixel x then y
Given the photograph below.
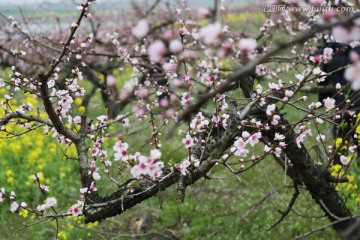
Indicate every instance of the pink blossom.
{"type": "Point", "coordinates": [2, 194]}
{"type": "Point", "coordinates": [96, 176]}
{"type": "Point", "coordinates": [95, 151]}
{"type": "Point", "coordinates": [302, 136]}
{"type": "Point", "coordinates": [119, 146]}
{"type": "Point", "coordinates": [168, 34]}
{"type": "Point", "coordinates": [197, 163]}
{"type": "Point", "coordinates": [352, 74]}
{"type": "Point", "coordinates": [327, 54]}
{"type": "Point", "coordinates": [156, 51]}
{"type": "Point", "coordinates": [76, 209]}
{"type": "Point", "coordinates": [300, 77]}
{"type": "Point", "coordinates": [92, 187]}
{"type": "Point", "coordinates": [261, 70]}
{"type": "Point", "coordinates": [254, 139]}
{"type": "Point", "coordinates": [354, 56]}
{"type": "Point", "coordinates": [210, 34]}
{"type": "Point", "coordinates": [319, 120]}
{"type": "Point", "coordinates": [320, 137]}
{"type": "Point", "coordinates": [50, 202]}
{"type": "Point", "coordinates": [155, 154]}
{"type": "Point", "coordinates": [14, 206]}
{"type": "Point", "coordinates": [215, 119]}
{"type": "Point", "coordinates": [239, 148]}
{"type": "Point", "coordinates": [203, 13]}
{"type": "Point", "coordinates": [141, 29]}
{"type": "Point", "coordinates": [12, 196]}
{"type": "Point", "coordinates": [102, 118]}
{"type": "Point", "coordinates": [147, 166]}
{"type": "Point", "coordinates": [341, 34]}
{"type": "Point", "coordinates": [142, 92]}
{"type": "Point", "coordinates": [77, 120]}
{"type": "Point", "coordinates": [188, 54]}
{"type": "Point", "coordinates": [203, 125]}
{"type": "Point", "coordinates": [170, 67]}
{"type": "Point", "coordinates": [240, 143]}
{"type": "Point", "coordinates": [183, 167]}
{"type": "Point", "coordinates": [44, 187]}
{"type": "Point", "coordinates": [247, 45]}
{"type": "Point", "coordinates": [224, 119]}
{"type": "Point", "coordinates": [245, 134]}
{"type": "Point", "coordinates": [344, 160]}
{"type": "Point", "coordinates": [123, 155]}
{"type": "Point", "coordinates": [139, 110]}
{"type": "Point", "coordinates": [314, 105]}
{"type": "Point", "coordinates": [41, 207]}
{"type": "Point", "coordinates": [154, 170]}
{"type": "Point", "coordinates": [175, 46]}
{"type": "Point", "coordinates": [183, 32]}
{"type": "Point", "coordinates": [279, 137]}
{"type": "Point", "coordinates": [278, 151]}
{"type": "Point", "coordinates": [186, 98]}
{"type": "Point", "coordinates": [108, 163]}
{"type": "Point", "coordinates": [188, 141]}
{"type": "Point", "coordinates": [270, 109]}
{"type": "Point", "coordinates": [110, 80]}
{"type": "Point", "coordinates": [51, 83]}
{"type": "Point", "coordinates": [267, 149]}
{"type": "Point", "coordinates": [241, 152]}
{"type": "Point", "coordinates": [275, 120]}
{"type": "Point", "coordinates": [289, 93]}
{"type": "Point", "coordinates": [329, 103]}
{"type": "Point", "coordinates": [226, 48]}
{"type": "Point", "coordinates": [83, 190]}
{"type": "Point", "coordinates": [352, 149]}
{"type": "Point", "coordinates": [315, 59]}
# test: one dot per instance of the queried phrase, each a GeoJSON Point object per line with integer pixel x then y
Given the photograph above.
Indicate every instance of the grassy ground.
{"type": "Point", "coordinates": [218, 209]}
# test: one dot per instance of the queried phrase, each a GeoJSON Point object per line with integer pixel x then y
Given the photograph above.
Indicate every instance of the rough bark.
{"type": "Point", "coordinates": [311, 175]}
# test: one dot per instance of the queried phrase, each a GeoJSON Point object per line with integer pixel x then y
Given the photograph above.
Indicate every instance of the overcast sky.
{"type": "Point", "coordinates": [26, 1]}
{"type": "Point", "coordinates": [21, 2]}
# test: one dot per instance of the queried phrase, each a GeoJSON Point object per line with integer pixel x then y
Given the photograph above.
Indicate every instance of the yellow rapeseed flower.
{"type": "Point", "coordinates": [338, 142]}
{"type": "Point", "coordinates": [78, 101]}
{"type": "Point", "coordinates": [62, 235]}
{"type": "Point", "coordinates": [24, 213]}
{"type": "Point", "coordinates": [82, 109]}
{"type": "Point", "coordinates": [351, 178]}
{"type": "Point", "coordinates": [10, 180]}
{"type": "Point", "coordinates": [9, 173]}
{"type": "Point", "coordinates": [91, 225]}
{"type": "Point", "coordinates": [357, 130]}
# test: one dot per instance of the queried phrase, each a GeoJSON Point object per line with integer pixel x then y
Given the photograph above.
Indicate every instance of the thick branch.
{"type": "Point", "coordinates": [312, 175]}
{"type": "Point", "coordinates": [21, 115]}
{"type": "Point", "coordinates": [55, 119]}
